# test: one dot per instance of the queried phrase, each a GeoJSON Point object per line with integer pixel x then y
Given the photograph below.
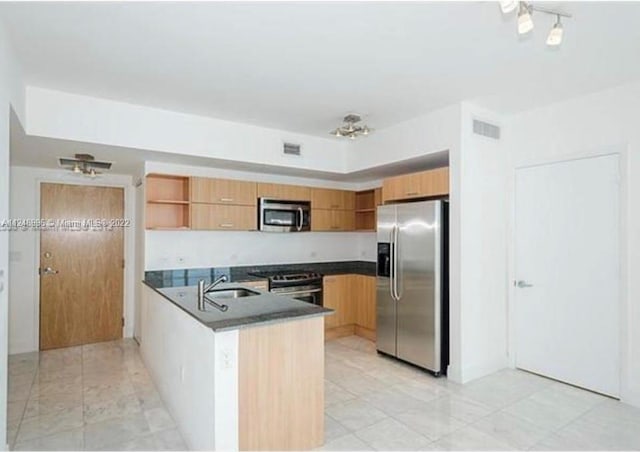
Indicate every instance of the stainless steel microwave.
{"type": "Point", "coordinates": [276, 215]}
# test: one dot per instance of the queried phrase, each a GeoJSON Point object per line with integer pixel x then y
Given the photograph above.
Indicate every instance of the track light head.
{"type": "Point", "coordinates": [507, 6]}
{"type": "Point", "coordinates": [555, 35]}
{"type": "Point", "coordinates": [525, 24]}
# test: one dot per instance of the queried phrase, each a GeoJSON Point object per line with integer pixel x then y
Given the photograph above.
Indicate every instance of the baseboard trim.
{"type": "Point", "coordinates": [365, 332]}
{"type": "Point", "coordinates": [338, 332]}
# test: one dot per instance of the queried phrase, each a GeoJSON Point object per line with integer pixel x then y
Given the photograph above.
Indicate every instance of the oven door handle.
{"type": "Point", "coordinates": [298, 292]}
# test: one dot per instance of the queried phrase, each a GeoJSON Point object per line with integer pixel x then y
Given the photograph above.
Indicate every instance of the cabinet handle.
{"type": "Point", "coordinates": [335, 206]}
{"type": "Point", "coordinates": [335, 227]}
{"type": "Point", "coordinates": [226, 225]}
{"type": "Point", "coordinates": [226, 199]}
{"type": "Point", "coordinates": [413, 193]}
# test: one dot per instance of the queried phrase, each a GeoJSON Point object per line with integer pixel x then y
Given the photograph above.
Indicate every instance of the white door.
{"type": "Point", "coordinates": [567, 268]}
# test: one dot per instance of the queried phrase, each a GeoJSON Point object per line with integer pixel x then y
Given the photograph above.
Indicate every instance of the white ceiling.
{"type": "Point", "coordinates": [301, 66]}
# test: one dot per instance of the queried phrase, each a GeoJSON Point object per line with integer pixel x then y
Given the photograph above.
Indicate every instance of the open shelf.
{"type": "Point", "coordinates": [366, 203]}
{"type": "Point", "coordinates": [168, 206]}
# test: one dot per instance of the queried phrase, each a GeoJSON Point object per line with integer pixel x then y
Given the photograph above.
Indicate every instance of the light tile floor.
{"type": "Point", "coordinates": [375, 402]}
{"type": "Point", "coordinates": [101, 397]}
{"type": "Point", "coordinates": [92, 397]}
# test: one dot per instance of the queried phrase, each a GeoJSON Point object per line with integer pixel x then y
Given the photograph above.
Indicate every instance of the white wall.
{"type": "Point", "coordinates": [483, 249]}
{"type": "Point", "coordinates": [81, 118]}
{"type": "Point", "coordinates": [587, 126]}
{"type": "Point", "coordinates": [24, 246]}
{"type": "Point", "coordinates": [192, 249]}
{"type": "Point", "coordinates": [11, 95]}
{"type": "Point", "coordinates": [195, 371]}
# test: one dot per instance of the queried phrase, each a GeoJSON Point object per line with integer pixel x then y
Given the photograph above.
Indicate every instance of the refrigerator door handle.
{"type": "Point", "coordinates": [391, 263]}
{"type": "Point", "coordinates": [396, 245]}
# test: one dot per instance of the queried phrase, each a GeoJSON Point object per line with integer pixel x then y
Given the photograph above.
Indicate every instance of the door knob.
{"type": "Point", "coordinates": [523, 284]}
{"type": "Point", "coordinates": [48, 271]}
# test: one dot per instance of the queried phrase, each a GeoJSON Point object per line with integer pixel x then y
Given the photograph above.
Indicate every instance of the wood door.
{"type": "Point", "coordinates": [217, 217]}
{"type": "Point", "coordinates": [81, 297]}
{"type": "Point", "coordinates": [282, 191]}
{"type": "Point", "coordinates": [333, 220]}
{"type": "Point", "coordinates": [223, 191]}
{"type": "Point", "coordinates": [325, 198]}
{"type": "Point", "coordinates": [567, 259]}
{"type": "Point", "coordinates": [417, 185]}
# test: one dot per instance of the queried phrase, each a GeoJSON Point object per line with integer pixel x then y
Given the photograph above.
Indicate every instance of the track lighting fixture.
{"type": "Point", "coordinates": [525, 22]}
{"type": "Point", "coordinates": [555, 35]}
{"type": "Point", "coordinates": [508, 6]}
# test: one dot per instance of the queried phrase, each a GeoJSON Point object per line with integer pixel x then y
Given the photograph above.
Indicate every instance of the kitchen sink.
{"type": "Point", "coordinates": [231, 293]}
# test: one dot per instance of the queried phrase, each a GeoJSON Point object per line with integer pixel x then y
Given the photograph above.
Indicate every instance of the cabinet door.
{"type": "Point", "coordinates": [332, 220]}
{"type": "Point", "coordinates": [417, 185]}
{"type": "Point", "coordinates": [337, 291]}
{"type": "Point", "coordinates": [219, 217]}
{"type": "Point", "coordinates": [365, 293]}
{"type": "Point", "coordinates": [286, 192]}
{"type": "Point", "coordinates": [324, 198]}
{"type": "Point", "coordinates": [223, 191]}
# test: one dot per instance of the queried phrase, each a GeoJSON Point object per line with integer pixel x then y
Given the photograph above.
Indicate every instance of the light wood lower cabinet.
{"type": "Point", "coordinates": [353, 298]}
{"type": "Point", "coordinates": [214, 217]}
{"type": "Point", "coordinates": [281, 386]}
{"type": "Point", "coordinates": [332, 220]}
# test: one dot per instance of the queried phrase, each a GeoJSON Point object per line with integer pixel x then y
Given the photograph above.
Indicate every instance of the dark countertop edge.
{"type": "Point", "coordinates": [284, 317]}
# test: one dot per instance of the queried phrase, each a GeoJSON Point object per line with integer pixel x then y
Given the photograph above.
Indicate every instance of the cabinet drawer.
{"type": "Point", "coordinates": [332, 220]}
{"type": "Point", "coordinates": [223, 191]}
{"type": "Point", "coordinates": [282, 191]}
{"type": "Point", "coordinates": [324, 198]}
{"type": "Point", "coordinates": [219, 217]}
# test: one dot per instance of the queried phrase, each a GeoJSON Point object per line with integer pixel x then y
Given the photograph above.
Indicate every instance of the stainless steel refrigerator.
{"type": "Point", "coordinates": [412, 283]}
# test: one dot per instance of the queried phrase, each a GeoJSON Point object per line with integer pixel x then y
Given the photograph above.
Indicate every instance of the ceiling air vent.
{"type": "Point", "coordinates": [292, 149]}
{"type": "Point", "coordinates": [485, 129]}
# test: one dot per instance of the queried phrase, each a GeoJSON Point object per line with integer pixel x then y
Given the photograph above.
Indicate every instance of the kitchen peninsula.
{"type": "Point", "coordinates": [248, 378]}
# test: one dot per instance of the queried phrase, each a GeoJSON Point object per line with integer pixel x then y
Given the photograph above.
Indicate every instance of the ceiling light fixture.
{"type": "Point", "coordinates": [525, 22]}
{"type": "Point", "coordinates": [555, 35]}
{"type": "Point", "coordinates": [84, 164]}
{"type": "Point", "coordinates": [350, 128]}
{"type": "Point", "coordinates": [508, 6]}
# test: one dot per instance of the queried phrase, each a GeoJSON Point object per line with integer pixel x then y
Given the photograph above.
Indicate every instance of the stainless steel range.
{"type": "Point", "coordinates": [301, 285]}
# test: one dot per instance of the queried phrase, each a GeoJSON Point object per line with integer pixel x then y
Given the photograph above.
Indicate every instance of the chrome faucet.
{"type": "Point", "coordinates": [205, 289]}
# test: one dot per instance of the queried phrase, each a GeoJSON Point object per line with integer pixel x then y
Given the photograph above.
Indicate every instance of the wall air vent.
{"type": "Point", "coordinates": [485, 129]}
{"type": "Point", "coordinates": [292, 149]}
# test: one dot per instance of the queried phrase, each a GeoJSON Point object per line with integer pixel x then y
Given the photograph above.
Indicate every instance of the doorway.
{"type": "Point", "coordinates": [81, 264]}
{"type": "Point", "coordinates": [567, 267]}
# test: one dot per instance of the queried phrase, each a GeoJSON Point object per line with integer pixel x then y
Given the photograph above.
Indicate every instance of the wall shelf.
{"type": "Point", "coordinates": [168, 204]}
{"type": "Point", "coordinates": [367, 202]}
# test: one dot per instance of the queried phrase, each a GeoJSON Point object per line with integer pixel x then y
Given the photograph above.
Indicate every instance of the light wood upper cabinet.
{"type": "Point", "coordinates": [417, 185]}
{"type": "Point", "coordinates": [337, 296]}
{"type": "Point", "coordinates": [223, 191]}
{"type": "Point", "coordinates": [221, 217]}
{"type": "Point", "coordinates": [332, 220]}
{"type": "Point", "coordinates": [325, 198]}
{"type": "Point", "coordinates": [282, 191]}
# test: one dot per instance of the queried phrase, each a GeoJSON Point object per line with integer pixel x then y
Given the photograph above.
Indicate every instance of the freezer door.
{"type": "Point", "coordinates": [418, 309]}
{"type": "Point", "coordinates": [385, 304]}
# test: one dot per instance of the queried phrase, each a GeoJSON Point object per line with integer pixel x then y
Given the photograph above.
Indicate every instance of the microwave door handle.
{"type": "Point", "coordinates": [300, 218]}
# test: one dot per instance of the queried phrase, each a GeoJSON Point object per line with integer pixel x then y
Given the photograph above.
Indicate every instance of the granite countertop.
{"type": "Point", "coordinates": [190, 276]}
{"type": "Point", "coordinates": [257, 310]}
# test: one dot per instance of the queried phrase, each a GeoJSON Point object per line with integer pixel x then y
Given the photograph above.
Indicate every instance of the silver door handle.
{"type": "Point", "coordinates": [396, 243]}
{"type": "Point", "coordinates": [391, 250]}
{"type": "Point", "coordinates": [48, 271]}
{"type": "Point", "coordinates": [523, 284]}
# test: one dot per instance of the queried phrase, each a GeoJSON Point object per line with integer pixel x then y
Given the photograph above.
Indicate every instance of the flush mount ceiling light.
{"type": "Point", "coordinates": [84, 164]}
{"type": "Point", "coordinates": [350, 128]}
{"type": "Point", "coordinates": [525, 22]}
